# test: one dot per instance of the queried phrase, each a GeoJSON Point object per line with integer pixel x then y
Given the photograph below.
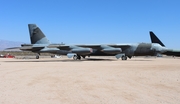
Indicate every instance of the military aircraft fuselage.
{"type": "Point", "coordinates": [172, 52]}
{"type": "Point", "coordinates": [144, 49]}
{"type": "Point", "coordinates": [138, 49]}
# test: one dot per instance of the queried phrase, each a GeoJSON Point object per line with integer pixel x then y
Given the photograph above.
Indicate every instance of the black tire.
{"type": "Point", "coordinates": [124, 58]}
{"type": "Point", "coordinates": [37, 57]}
{"type": "Point", "coordinates": [75, 57]}
{"type": "Point", "coordinates": [84, 57]}
{"type": "Point", "coordinates": [79, 57]}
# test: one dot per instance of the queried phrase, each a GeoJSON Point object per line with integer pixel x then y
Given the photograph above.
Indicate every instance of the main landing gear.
{"type": "Point", "coordinates": [124, 57]}
{"type": "Point", "coordinates": [77, 57]}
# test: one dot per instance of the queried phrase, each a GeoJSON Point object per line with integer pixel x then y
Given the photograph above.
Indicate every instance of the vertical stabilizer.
{"type": "Point", "coordinates": [155, 39]}
{"type": "Point", "coordinates": [36, 35]}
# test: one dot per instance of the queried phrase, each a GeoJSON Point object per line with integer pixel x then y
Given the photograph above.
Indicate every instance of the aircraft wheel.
{"type": "Point", "coordinates": [78, 57]}
{"type": "Point", "coordinates": [37, 57]}
{"type": "Point", "coordinates": [129, 57]}
{"type": "Point", "coordinates": [124, 58]}
{"type": "Point", "coordinates": [75, 57]}
{"type": "Point", "coordinates": [84, 57]}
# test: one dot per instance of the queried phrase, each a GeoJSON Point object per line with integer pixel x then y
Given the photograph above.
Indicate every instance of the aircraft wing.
{"type": "Point", "coordinates": [113, 49]}
{"type": "Point", "coordinates": [61, 47]}
{"type": "Point", "coordinates": [106, 46]}
{"type": "Point", "coordinates": [93, 46]}
{"type": "Point", "coordinates": [172, 52]}
{"type": "Point", "coordinates": [31, 48]}
{"type": "Point", "coordinates": [12, 48]}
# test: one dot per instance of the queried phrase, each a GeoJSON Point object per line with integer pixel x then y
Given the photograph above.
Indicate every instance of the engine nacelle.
{"type": "Point", "coordinates": [82, 51]}
{"type": "Point", "coordinates": [112, 50]}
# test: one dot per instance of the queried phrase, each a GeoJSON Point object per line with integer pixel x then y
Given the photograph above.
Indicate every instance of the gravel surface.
{"type": "Point", "coordinates": [90, 81]}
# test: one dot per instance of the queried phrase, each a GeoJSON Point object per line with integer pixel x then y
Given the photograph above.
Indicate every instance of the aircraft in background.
{"type": "Point", "coordinates": [169, 52]}
{"type": "Point", "coordinates": [40, 44]}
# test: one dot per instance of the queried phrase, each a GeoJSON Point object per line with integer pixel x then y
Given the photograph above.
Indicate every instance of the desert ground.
{"type": "Point", "coordinates": [90, 81]}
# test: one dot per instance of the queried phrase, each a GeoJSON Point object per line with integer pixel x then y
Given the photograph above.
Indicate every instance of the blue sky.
{"type": "Point", "coordinates": [92, 21]}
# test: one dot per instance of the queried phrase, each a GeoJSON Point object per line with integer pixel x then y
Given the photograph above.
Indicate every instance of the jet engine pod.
{"type": "Point", "coordinates": [82, 51]}
{"type": "Point", "coordinates": [112, 50]}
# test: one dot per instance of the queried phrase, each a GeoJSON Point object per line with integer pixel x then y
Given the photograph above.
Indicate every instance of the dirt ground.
{"type": "Point", "coordinates": [91, 81]}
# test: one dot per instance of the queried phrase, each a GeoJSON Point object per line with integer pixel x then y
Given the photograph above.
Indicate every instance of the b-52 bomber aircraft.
{"type": "Point", "coordinates": [40, 44]}
{"type": "Point", "coordinates": [168, 52]}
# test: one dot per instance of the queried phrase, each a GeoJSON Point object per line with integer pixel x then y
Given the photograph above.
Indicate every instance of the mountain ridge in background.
{"type": "Point", "coordinates": [8, 44]}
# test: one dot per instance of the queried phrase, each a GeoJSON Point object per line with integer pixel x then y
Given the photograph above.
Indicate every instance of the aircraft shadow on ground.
{"type": "Point", "coordinates": [141, 60]}
{"type": "Point", "coordinates": [64, 60]}
{"type": "Point", "coordinates": [96, 59]}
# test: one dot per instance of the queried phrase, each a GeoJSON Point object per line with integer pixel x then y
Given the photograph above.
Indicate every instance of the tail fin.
{"type": "Point", "coordinates": [155, 39]}
{"type": "Point", "coordinates": [36, 35]}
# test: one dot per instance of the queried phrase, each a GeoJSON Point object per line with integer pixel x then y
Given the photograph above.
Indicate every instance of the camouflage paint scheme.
{"type": "Point", "coordinates": [40, 44]}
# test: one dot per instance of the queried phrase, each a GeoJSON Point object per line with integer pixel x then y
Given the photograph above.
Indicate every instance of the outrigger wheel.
{"type": "Point", "coordinates": [37, 56]}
